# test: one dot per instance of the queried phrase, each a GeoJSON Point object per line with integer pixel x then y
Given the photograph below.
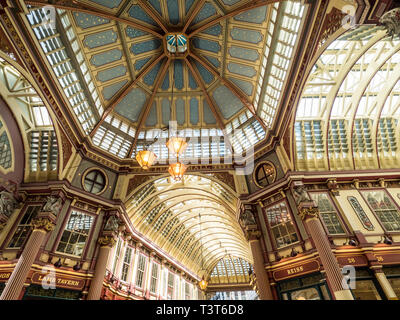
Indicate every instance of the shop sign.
{"type": "Point", "coordinates": [390, 258]}
{"type": "Point", "coordinates": [296, 270]}
{"type": "Point", "coordinates": [60, 281]}
{"type": "Point", "coordinates": [4, 276]}
{"type": "Point", "coordinates": [355, 260]}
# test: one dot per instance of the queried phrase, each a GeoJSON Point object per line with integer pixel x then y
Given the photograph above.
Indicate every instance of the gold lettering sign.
{"type": "Point", "coordinates": [295, 270]}
{"type": "Point", "coordinates": [60, 281]}
{"type": "Point", "coordinates": [292, 271]}
{"type": "Point", "coordinates": [5, 275]}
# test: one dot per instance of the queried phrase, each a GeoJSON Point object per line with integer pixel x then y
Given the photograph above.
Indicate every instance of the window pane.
{"type": "Point", "coordinates": [281, 224]}
{"type": "Point", "coordinates": [329, 215]}
{"type": "Point", "coordinates": [384, 208]}
{"type": "Point", "coordinates": [75, 234]}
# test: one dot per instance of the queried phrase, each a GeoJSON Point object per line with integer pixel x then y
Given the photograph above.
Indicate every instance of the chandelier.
{"type": "Point", "coordinates": [176, 145]}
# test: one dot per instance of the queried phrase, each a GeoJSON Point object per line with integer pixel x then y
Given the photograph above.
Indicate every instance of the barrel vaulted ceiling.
{"type": "Point", "coordinates": [119, 77]}
{"type": "Point", "coordinates": [194, 220]}
{"type": "Point", "coordinates": [348, 116]}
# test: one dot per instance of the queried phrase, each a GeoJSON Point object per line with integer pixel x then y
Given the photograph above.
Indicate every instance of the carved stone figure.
{"type": "Point", "coordinates": [247, 218]}
{"type": "Point", "coordinates": [391, 21]}
{"type": "Point", "coordinates": [53, 205]}
{"type": "Point", "coordinates": [301, 195]}
{"type": "Point", "coordinates": [112, 224]}
{"type": "Point", "coordinates": [7, 203]}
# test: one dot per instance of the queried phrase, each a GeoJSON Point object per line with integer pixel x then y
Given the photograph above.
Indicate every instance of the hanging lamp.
{"type": "Point", "coordinates": [177, 170]}
{"type": "Point", "coordinates": [146, 158]}
{"type": "Point", "coordinates": [203, 283]}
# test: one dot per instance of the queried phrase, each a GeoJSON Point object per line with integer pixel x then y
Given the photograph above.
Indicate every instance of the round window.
{"type": "Point", "coordinates": [94, 181]}
{"type": "Point", "coordinates": [264, 174]}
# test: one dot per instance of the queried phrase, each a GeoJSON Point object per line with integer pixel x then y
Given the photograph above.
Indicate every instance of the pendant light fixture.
{"type": "Point", "coordinates": [177, 145]}
{"type": "Point", "coordinates": [203, 283]}
{"type": "Point", "coordinates": [146, 158]}
{"type": "Point", "coordinates": [177, 170]}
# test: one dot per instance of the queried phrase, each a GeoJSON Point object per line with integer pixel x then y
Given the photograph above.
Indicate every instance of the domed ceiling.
{"type": "Point", "coordinates": [217, 68]}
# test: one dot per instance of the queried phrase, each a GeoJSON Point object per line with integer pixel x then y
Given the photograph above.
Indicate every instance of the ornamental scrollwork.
{"type": "Point", "coordinates": [106, 241]}
{"type": "Point", "coordinates": [43, 224]}
{"type": "Point", "coordinates": [308, 212]}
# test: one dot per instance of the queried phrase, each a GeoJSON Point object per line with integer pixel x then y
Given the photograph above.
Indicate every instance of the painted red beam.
{"type": "Point", "coordinates": [146, 110]}
{"type": "Point", "coordinates": [85, 8]}
{"type": "Point", "coordinates": [119, 98]}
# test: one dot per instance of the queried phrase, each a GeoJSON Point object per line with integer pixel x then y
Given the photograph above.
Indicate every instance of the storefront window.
{"type": "Point", "coordinates": [366, 290]}
{"type": "Point", "coordinates": [36, 292]}
{"type": "Point", "coordinates": [366, 286]}
{"type": "Point", "coordinates": [307, 288]}
{"type": "Point", "coordinates": [393, 276]}
{"type": "Point", "coordinates": [282, 225]}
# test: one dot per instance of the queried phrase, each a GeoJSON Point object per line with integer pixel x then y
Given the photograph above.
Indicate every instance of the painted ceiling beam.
{"type": "Point", "coordinates": [143, 4]}
{"type": "Point", "coordinates": [243, 8]}
{"type": "Point", "coordinates": [194, 13]}
{"type": "Point", "coordinates": [236, 91]}
{"type": "Point", "coordinates": [84, 8]}
{"type": "Point", "coordinates": [119, 98]}
{"type": "Point", "coordinates": [210, 102]}
{"type": "Point", "coordinates": [146, 110]}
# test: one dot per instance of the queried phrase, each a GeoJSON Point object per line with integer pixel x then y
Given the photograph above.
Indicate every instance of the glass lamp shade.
{"type": "Point", "coordinates": [203, 284]}
{"type": "Point", "coordinates": [146, 158]}
{"type": "Point", "coordinates": [177, 145]}
{"type": "Point", "coordinates": [177, 170]}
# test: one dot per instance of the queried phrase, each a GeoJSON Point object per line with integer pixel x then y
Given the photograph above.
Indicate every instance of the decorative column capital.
{"type": "Point", "coordinates": [308, 212]}
{"type": "Point", "coordinates": [106, 241]}
{"type": "Point", "coordinates": [44, 221]}
{"type": "Point", "coordinates": [252, 234]}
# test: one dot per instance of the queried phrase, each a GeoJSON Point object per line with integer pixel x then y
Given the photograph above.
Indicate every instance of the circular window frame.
{"type": "Point", "coordinates": [89, 170]}
{"type": "Point", "coordinates": [256, 170]}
